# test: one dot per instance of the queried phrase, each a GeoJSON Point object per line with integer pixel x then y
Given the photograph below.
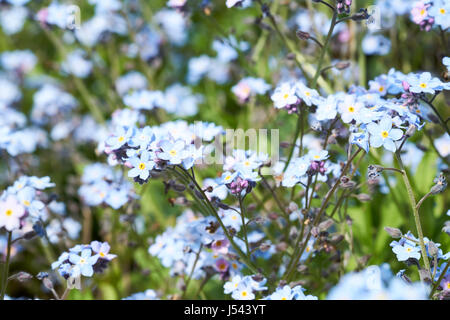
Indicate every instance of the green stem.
{"type": "Point", "coordinates": [324, 49]}
{"type": "Point", "coordinates": [415, 210]}
{"type": "Point", "coordinates": [244, 225]}
{"type": "Point", "coordinates": [192, 270]}
{"type": "Point", "coordinates": [6, 267]}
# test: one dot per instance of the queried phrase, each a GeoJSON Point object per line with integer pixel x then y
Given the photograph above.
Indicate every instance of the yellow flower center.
{"type": "Point", "coordinates": [244, 293]}
{"type": "Point", "coordinates": [82, 261]}
{"type": "Point", "coordinates": [26, 202]}
{"type": "Point", "coordinates": [384, 134]}
{"type": "Point", "coordinates": [442, 11]}
{"type": "Point", "coordinates": [102, 254]}
{"type": "Point", "coordinates": [423, 85]}
{"type": "Point", "coordinates": [218, 243]}
{"type": "Point", "coordinates": [381, 89]}
{"type": "Point", "coordinates": [121, 138]}
{"type": "Point", "coordinates": [142, 166]}
{"type": "Point", "coordinates": [8, 212]}
{"type": "Point", "coordinates": [284, 298]}
{"type": "Point", "coordinates": [222, 266]}
{"type": "Point", "coordinates": [423, 12]}
{"type": "Point", "coordinates": [351, 109]}
{"type": "Point", "coordinates": [307, 93]}
{"type": "Point", "coordinates": [173, 152]}
{"type": "Point", "coordinates": [316, 157]}
{"type": "Point", "coordinates": [285, 96]}
{"type": "Point", "coordinates": [448, 285]}
{"type": "Point", "coordinates": [233, 217]}
{"type": "Point", "coordinates": [408, 249]}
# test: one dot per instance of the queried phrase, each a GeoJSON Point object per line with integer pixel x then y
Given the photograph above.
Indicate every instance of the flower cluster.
{"type": "Point", "coordinates": [84, 260]}
{"type": "Point", "coordinates": [22, 200]}
{"type": "Point", "coordinates": [241, 170]}
{"type": "Point", "coordinates": [150, 150]}
{"type": "Point", "coordinates": [428, 14]}
{"type": "Point", "coordinates": [103, 185]}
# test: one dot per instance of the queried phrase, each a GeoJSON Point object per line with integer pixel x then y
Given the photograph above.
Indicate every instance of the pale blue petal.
{"type": "Point", "coordinates": [389, 145]}
{"type": "Point", "coordinates": [396, 134]}
{"type": "Point", "coordinates": [376, 141]}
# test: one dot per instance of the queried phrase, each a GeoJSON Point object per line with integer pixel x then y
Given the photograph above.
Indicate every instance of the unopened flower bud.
{"type": "Point", "coordinates": [302, 35]}
{"type": "Point", "coordinates": [48, 283]}
{"type": "Point", "coordinates": [393, 232]}
{"type": "Point", "coordinates": [363, 197]}
{"type": "Point", "coordinates": [411, 130]}
{"type": "Point", "coordinates": [341, 65]}
{"type": "Point", "coordinates": [21, 276]}
{"type": "Point", "coordinates": [325, 225]}
{"type": "Point", "coordinates": [440, 184]}
{"type": "Point", "coordinates": [432, 249]}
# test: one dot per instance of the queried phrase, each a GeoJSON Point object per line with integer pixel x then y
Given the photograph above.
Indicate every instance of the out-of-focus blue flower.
{"type": "Point", "coordinates": [446, 62]}
{"type": "Point", "coordinates": [12, 19]}
{"type": "Point", "coordinates": [174, 25]}
{"type": "Point", "coordinates": [286, 293]}
{"type": "Point", "coordinates": [327, 109]}
{"type": "Point", "coordinates": [77, 64]}
{"type": "Point", "coordinates": [376, 45]}
{"type": "Point", "coordinates": [440, 11]}
{"type": "Point", "coordinates": [146, 295]}
{"type": "Point", "coordinates": [376, 283]}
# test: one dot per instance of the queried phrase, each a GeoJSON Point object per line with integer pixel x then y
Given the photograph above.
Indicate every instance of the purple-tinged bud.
{"type": "Point", "coordinates": [303, 35]}
{"type": "Point", "coordinates": [405, 85]}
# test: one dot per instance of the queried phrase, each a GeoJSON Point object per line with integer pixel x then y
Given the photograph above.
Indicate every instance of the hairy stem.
{"type": "Point", "coordinates": [415, 210]}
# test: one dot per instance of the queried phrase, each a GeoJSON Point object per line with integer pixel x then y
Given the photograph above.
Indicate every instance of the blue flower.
{"type": "Point", "coordinates": [121, 137]}
{"type": "Point", "coordinates": [173, 151]}
{"type": "Point", "coordinates": [440, 11]}
{"type": "Point", "coordinates": [27, 197]}
{"type": "Point", "coordinates": [423, 83]}
{"type": "Point", "coordinates": [142, 138]}
{"type": "Point", "coordinates": [83, 264]}
{"type": "Point", "coordinates": [284, 95]}
{"type": "Point", "coordinates": [382, 134]}
{"type": "Point", "coordinates": [446, 62]}
{"type": "Point", "coordinates": [361, 140]}
{"type": "Point", "coordinates": [141, 166]}
{"type": "Point", "coordinates": [309, 96]}
{"type": "Point", "coordinates": [327, 109]}
{"type": "Point", "coordinates": [406, 252]}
